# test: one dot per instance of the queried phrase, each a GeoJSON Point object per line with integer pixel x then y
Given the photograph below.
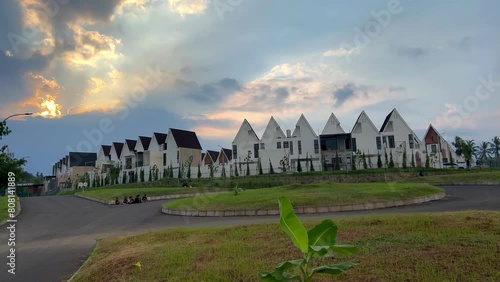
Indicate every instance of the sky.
{"type": "Point", "coordinates": [96, 72]}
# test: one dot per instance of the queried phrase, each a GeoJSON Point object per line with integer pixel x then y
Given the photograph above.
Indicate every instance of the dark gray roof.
{"type": "Point", "coordinates": [213, 155]}
{"type": "Point", "coordinates": [160, 137]}
{"type": "Point", "coordinates": [387, 118]}
{"type": "Point", "coordinates": [185, 139]}
{"type": "Point", "coordinates": [82, 159]}
{"type": "Point", "coordinates": [118, 148]}
{"type": "Point", "coordinates": [106, 149]}
{"type": "Point", "coordinates": [131, 144]}
{"type": "Point", "coordinates": [228, 153]}
{"type": "Point", "coordinates": [145, 141]}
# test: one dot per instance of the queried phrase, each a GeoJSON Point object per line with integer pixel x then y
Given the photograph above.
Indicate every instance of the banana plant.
{"type": "Point", "coordinates": [315, 243]}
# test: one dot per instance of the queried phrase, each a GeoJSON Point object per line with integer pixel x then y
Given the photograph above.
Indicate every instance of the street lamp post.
{"type": "Point", "coordinates": [15, 115]}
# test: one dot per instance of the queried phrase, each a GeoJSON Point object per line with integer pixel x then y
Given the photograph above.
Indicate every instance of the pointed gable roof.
{"type": "Point", "coordinates": [228, 153]}
{"type": "Point", "coordinates": [213, 155]}
{"type": "Point", "coordinates": [131, 144]}
{"type": "Point", "coordinates": [394, 113]}
{"type": "Point", "coordinates": [244, 130]}
{"type": "Point", "coordinates": [430, 134]}
{"type": "Point", "coordinates": [362, 116]}
{"type": "Point", "coordinates": [301, 125]}
{"type": "Point", "coordinates": [273, 129]}
{"type": "Point", "coordinates": [161, 138]}
{"type": "Point", "coordinates": [82, 159]}
{"type": "Point", "coordinates": [145, 141]}
{"type": "Point", "coordinates": [118, 148]}
{"type": "Point", "coordinates": [106, 149]}
{"type": "Point", "coordinates": [185, 139]}
{"type": "Point", "coordinates": [332, 126]}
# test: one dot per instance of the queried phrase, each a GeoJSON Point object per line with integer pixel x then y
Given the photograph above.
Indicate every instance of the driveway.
{"type": "Point", "coordinates": [55, 235]}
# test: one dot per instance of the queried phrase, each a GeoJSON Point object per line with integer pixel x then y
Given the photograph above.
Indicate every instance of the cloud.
{"type": "Point", "coordinates": [342, 52]}
{"type": "Point", "coordinates": [45, 94]}
{"type": "Point", "coordinates": [413, 52]}
{"type": "Point", "coordinates": [188, 7]}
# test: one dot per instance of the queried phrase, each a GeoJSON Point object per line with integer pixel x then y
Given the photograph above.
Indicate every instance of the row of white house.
{"type": "Point", "coordinates": [178, 149]}
{"type": "Point", "coordinates": [284, 151]}
{"type": "Point", "coordinates": [147, 155]}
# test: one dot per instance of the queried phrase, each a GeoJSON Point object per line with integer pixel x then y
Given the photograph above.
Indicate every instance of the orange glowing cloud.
{"type": "Point", "coordinates": [45, 93]}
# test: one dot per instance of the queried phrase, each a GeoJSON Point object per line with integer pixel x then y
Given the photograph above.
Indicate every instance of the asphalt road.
{"type": "Point", "coordinates": [55, 235]}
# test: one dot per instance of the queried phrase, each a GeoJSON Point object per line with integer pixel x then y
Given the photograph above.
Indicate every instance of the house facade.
{"type": "Point", "coordinates": [366, 139]}
{"type": "Point", "coordinates": [245, 147]}
{"type": "Point", "coordinates": [183, 149]}
{"type": "Point", "coordinates": [440, 152]}
{"type": "Point", "coordinates": [335, 146]}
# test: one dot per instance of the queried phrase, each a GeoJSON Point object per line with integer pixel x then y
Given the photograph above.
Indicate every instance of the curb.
{"type": "Point", "coordinates": [18, 210]}
{"type": "Point", "coordinates": [80, 268]}
{"type": "Point", "coordinates": [150, 199]}
{"type": "Point", "coordinates": [308, 210]}
{"type": "Point", "coordinates": [479, 183]}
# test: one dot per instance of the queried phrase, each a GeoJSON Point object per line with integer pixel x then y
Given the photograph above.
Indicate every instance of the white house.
{"type": "Point", "coordinates": [183, 147]}
{"type": "Point", "coordinates": [335, 146]}
{"type": "Point", "coordinates": [398, 138]}
{"type": "Point", "coordinates": [143, 155]}
{"type": "Point", "coordinates": [245, 145]}
{"type": "Point", "coordinates": [366, 139]}
{"type": "Point", "coordinates": [128, 159]}
{"type": "Point", "coordinates": [157, 153]}
{"type": "Point", "coordinates": [440, 152]}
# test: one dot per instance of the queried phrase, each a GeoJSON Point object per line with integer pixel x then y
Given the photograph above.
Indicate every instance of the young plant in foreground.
{"type": "Point", "coordinates": [317, 242]}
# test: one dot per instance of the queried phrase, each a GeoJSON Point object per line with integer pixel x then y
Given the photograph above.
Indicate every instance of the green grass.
{"type": "Point", "coordinates": [305, 195]}
{"type": "Point", "coordinates": [3, 207]}
{"type": "Point", "coordinates": [465, 177]}
{"type": "Point", "coordinates": [112, 193]}
{"type": "Point", "coordinates": [459, 246]}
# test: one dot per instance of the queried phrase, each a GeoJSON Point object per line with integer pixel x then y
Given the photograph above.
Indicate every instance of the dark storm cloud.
{"type": "Point", "coordinates": [344, 93]}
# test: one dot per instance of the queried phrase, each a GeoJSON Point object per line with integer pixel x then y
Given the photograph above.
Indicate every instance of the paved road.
{"type": "Point", "coordinates": [55, 235]}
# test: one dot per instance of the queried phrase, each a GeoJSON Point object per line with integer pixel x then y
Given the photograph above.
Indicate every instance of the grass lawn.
{"type": "Point", "coordinates": [459, 246]}
{"type": "Point", "coordinates": [3, 208]}
{"type": "Point", "coordinates": [304, 195]}
{"type": "Point", "coordinates": [112, 193]}
{"type": "Point", "coordinates": [473, 176]}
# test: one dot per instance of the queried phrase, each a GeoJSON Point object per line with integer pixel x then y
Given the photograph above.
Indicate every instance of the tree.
{"type": "Point", "coordinates": [165, 172]}
{"type": "Point", "coordinates": [223, 172]}
{"type": "Point", "coordinates": [199, 172]}
{"type": "Point", "coordinates": [299, 167]}
{"type": "Point", "coordinates": [171, 171]}
{"type": "Point", "coordinates": [325, 166]}
{"type": "Point", "coordinates": [391, 161]}
{"type": "Point", "coordinates": [465, 148]}
{"type": "Point", "coordinates": [365, 164]}
{"type": "Point", "coordinates": [188, 173]}
{"type": "Point", "coordinates": [247, 160]}
{"type": "Point", "coordinates": [260, 168]}
{"type": "Point", "coordinates": [353, 161]}
{"type": "Point", "coordinates": [370, 160]}
{"type": "Point", "coordinates": [150, 176]}
{"type": "Point", "coordinates": [427, 160]}
{"type": "Point", "coordinates": [212, 169]}
{"type": "Point", "coordinates": [412, 160]}
{"type": "Point", "coordinates": [179, 172]}
{"type": "Point", "coordinates": [271, 169]}
{"type": "Point", "coordinates": [483, 151]}
{"type": "Point", "coordinates": [337, 161]}
{"type": "Point", "coordinates": [451, 158]}
{"type": "Point", "coordinates": [8, 163]}
{"type": "Point", "coordinates": [236, 174]}
{"type": "Point", "coordinates": [141, 175]}
{"type": "Point", "coordinates": [405, 160]}
{"type": "Point", "coordinates": [495, 149]}
{"type": "Point", "coordinates": [156, 171]}
{"type": "Point", "coordinates": [379, 161]}
{"type": "Point", "coordinates": [124, 177]}
{"type": "Point", "coordinates": [311, 168]}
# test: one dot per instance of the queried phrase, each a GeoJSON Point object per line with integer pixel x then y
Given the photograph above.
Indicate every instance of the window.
{"type": "Point", "coordinates": [128, 163]}
{"type": "Point", "coordinates": [235, 152]}
{"type": "Point", "coordinates": [392, 144]}
{"type": "Point", "coordinates": [411, 140]}
{"type": "Point", "coordinates": [291, 148]}
{"type": "Point", "coordinates": [384, 140]}
{"type": "Point", "coordinates": [354, 145]}
{"type": "Point", "coordinates": [285, 145]}
{"type": "Point", "coordinates": [433, 149]}
{"type": "Point", "coordinates": [256, 150]}
{"type": "Point", "coordinates": [328, 144]}
{"type": "Point", "coordinates": [316, 146]}
{"type": "Point", "coordinates": [299, 146]}
{"type": "Point", "coordinates": [165, 159]}
{"type": "Point", "coordinates": [140, 159]}
{"type": "Point", "coordinates": [347, 143]}
{"type": "Point", "coordinates": [262, 146]}
{"type": "Point", "coordinates": [278, 145]}
{"type": "Point", "coordinates": [178, 156]}
{"type": "Point", "coordinates": [379, 143]}
{"type": "Point", "coordinates": [164, 146]}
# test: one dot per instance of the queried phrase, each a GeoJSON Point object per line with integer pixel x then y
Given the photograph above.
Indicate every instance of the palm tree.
{"type": "Point", "coordinates": [465, 148]}
{"type": "Point", "coordinates": [483, 151]}
{"type": "Point", "coordinates": [495, 149]}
